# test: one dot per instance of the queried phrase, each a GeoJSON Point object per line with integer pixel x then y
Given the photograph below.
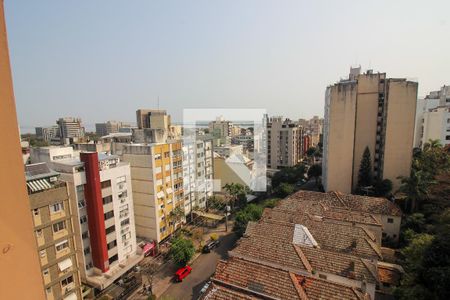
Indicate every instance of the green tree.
{"type": "Point", "coordinates": [181, 250]}
{"type": "Point", "coordinates": [415, 187]}
{"type": "Point", "coordinates": [310, 152]}
{"type": "Point", "coordinates": [315, 171]}
{"type": "Point", "coordinates": [365, 177]}
{"type": "Point", "coordinates": [411, 287]}
{"type": "Point", "coordinates": [382, 188]}
{"type": "Point", "coordinates": [251, 212]}
{"type": "Point", "coordinates": [284, 190]}
{"type": "Point", "coordinates": [176, 216]}
{"type": "Point", "coordinates": [235, 192]}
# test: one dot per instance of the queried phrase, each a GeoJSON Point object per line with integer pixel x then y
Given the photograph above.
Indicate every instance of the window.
{"type": "Point", "coordinates": [43, 253]}
{"type": "Point", "coordinates": [166, 154]}
{"type": "Point", "coordinates": [57, 207]}
{"type": "Point", "coordinates": [62, 245]}
{"type": "Point", "coordinates": [447, 137]}
{"type": "Point", "coordinates": [125, 222]}
{"type": "Point", "coordinates": [87, 250]}
{"type": "Point", "coordinates": [126, 236]}
{"type": "Point", "coordinates": [39, 232]}
{"type": "Point", "coordinates": [106, 184]}
{"type": "Point", "coordinates": [85, 235]}
{"type": "Point", "coordinates": [45, 272]}
{"type": "Point", "coordinates": [59, 226]}
{"type": "Point", "coordinates": [110, 229]}
{"type": "Point", "coordinates": [109, 215]}
{"type": "Point", "coordinates": [80, 188]}
{"type": "Point", "coordinates": [121, 179]}
{"type": "Point", "coordinates": [81, 204]}
{"type": "Point", "coordinates": [113, 259]}
{"type": "Point", "coordinates": [107, 200]}
{"type": "Point", "coordinates": [67, 281]}
{"type": "Point", "coordinates": [162, 229]}
{"type": "Point", "coordinates": [36, 211]}
{"type": "Point", "coordinates": [89, 266]}
{"type": "Point", "coordinates": [83, 219]}
{"type": "Point", "coordinates": [390, 220]}
{"type": "Point", "coordinates": [111, 245]}
{"type": "Point", "coordinates": [49, 290]}
{"type": "Point", "coordinates": [384, 234]}
{"type": "Point", "coordinates": [157, 156]}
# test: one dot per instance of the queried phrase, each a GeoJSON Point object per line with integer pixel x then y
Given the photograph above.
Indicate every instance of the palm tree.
{"type": "Point", "coordinates": [234, 190]}
{"type": "Point", "coordinates": [176, 216]}
{"type": "Point", "coordinates": [415, 187]}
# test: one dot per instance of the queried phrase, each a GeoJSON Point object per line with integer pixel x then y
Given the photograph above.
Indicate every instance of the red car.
{"type": "Point", "coordinates": [182, 273]}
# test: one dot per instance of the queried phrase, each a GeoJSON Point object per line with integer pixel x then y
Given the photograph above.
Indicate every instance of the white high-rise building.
{"type": "Point", "coordinates": [102, 205]}
{"type": "Point", "coordinates": [197, 173]}
{"type": "Point", "coordinates": [433, 118]}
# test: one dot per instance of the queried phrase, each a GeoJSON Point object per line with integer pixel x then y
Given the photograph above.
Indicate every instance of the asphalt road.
{"type": "Point", "coordinates": [202, 269]}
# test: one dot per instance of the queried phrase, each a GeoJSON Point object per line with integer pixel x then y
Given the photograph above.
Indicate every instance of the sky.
{"type": "Point", "coordinates": [102, 60]}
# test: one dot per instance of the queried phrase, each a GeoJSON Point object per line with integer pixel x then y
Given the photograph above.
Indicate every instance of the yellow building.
{"type": "Point", "coordinates": [368, 110]}
{"type": "Point", "coordinates": [157, 181]}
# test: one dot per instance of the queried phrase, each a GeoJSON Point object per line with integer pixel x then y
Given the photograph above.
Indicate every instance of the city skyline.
{"type": "Point", "coordinates": [210, 55]}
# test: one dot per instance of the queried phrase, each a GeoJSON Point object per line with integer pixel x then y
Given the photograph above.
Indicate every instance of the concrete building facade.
{"type": "Point", "coordinates": [198, 172]}
{"type": "Point", "coordinates": [284, 145]}
{"type": "Point", "coordinates": [433, 118]}
{"type": "Point", "coordinates": [47, 134]}
{"type": "Point", "coordinates": [100, 186]}
{"type": "Point", "coordinates": [368, 110]}
{"type": "Point", "coordinates": [70, 128]}
{"type": "Point", "coordinates": [157, 181]}
{"type": "Point", "coordinates": [54, 233]}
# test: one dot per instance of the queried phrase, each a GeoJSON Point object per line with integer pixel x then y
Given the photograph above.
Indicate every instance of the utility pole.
{"type": "Point", "coordinates": [226, 217]}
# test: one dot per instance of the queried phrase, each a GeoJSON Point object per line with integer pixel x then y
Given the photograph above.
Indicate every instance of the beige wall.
{"type": "Point", "coordinates": [401, 113]}
{"type": "Point", "coordinates": [341, 137]}
{"type": "Point", "coordinates": [20, 274]}
{"type": "Point", "coordinates": [366, 121]}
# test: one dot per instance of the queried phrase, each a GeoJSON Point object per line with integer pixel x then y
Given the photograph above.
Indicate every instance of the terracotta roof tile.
{"type": "Point", "coordinates": [333, 236]}
{"type": "Point", "coordinates": [242, 279]}
{"type": "Point", "coordinates": [369, 205]}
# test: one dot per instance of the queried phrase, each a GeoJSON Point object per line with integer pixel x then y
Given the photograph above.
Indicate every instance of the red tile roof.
{"type": "Point", "coordinates": [242, 279]}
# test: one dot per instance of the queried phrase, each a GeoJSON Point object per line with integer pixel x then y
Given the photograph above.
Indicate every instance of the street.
{"type": "Point", "coordinates": [202, 269]}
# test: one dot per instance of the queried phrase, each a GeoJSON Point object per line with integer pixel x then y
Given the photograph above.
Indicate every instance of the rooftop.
{"type": "Point", "coordinates": [272, 251]}
{"type": "Point", "coordinates": [242, 279]}
{"type": "Point", "coordinates": [355, 203]}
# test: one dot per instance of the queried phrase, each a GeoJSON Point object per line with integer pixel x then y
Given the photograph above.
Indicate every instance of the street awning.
{"type": "Point", "coordinates": [65, 264]}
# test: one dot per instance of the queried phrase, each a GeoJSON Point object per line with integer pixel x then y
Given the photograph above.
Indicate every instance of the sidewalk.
{"type": "Point", "coordinates": [163, 278]}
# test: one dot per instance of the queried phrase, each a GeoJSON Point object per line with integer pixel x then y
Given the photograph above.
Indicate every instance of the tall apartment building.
{"type": "Point", "coordinates": [19, 264]}
{"type": "Point", "coordinates": [222, 131]}
{"type": "Point", "coordinates": [152, 118]}
{"type": "Point", "coordinates": [100, 186]}
{"type": "Point", "coordinates": [70, 128]}
{"type": "Point", "coordinates": [433, 118]}
{"type": "Point", "coordinates": [157, 180]}
{"type": "Point", "coordinates": [284, 143]}
{"type": "Point", "coordinates": [102, 129]}
{"type": "Point", "coordinates": [47, 133]}
{"type": "Point", "coordinates": [52, 218]}
{"type": "Point", "coordinates": [313, 128]}
{"type": "Point", "coordinates": [198, 173]}
{"type": "Point", "coordinates": [368, 110]}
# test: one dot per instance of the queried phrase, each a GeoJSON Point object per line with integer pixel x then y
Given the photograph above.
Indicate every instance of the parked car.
{"type": "Point", "coordinates": [181, 273]}
{"type": "Point", "coordinates": [211, 245]}
{"type": "Point", "coordinates": [204, 288]}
